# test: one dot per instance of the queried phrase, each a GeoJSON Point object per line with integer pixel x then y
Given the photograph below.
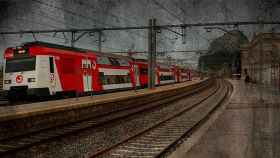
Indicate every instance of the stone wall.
{"type": "Point", "coordinates": [262, 58]}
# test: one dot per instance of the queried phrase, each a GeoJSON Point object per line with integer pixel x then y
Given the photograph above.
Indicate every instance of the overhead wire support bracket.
{"type": "Point", "coordinates": [166, 28]}
{"type": "Point", "coordinates": [73, 34]}
{"type": "Point", "coordinates": [34, 37]}
{"type": "Point", "coordinates": [184, 36]}
{"type": "Point", "coordinates": [80, 36]}
{"type": "Point", "coordinates": [54, 34]}
{"type": "Point", "coordinates": [65, 37]}
{"type": "Point", "coordinates": [100, 41]}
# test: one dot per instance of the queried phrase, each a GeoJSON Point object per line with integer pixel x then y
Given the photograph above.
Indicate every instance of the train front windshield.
{"type": "Point", "coordinates": [19, 65]}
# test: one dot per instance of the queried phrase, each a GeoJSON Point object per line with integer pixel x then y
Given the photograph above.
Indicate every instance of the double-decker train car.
{"type": "Point", "coordinates": [43, 69]}
{"type": "Point", "coordinates": [185, 75]}
{"type": "Point", "coordinates": [166, 74]}
{"type": "Point", "coordinates": [142, 69]}
{"type": "Point", "coordinates": [115, 72]}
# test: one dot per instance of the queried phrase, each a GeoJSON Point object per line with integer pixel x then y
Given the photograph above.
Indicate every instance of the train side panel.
{"type": "Point", "coordinates": [50, 69]}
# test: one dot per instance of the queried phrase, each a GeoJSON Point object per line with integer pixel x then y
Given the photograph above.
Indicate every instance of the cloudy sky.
{"type": "Point", "coordinates": [62, 14]}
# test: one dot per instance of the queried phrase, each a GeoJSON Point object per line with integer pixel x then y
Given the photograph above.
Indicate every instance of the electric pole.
{"type": "Point", "coordinates": [152, 53]}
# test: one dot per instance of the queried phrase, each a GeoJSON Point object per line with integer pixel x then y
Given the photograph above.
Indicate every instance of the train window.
{"type": "Point", "coordinates": [51, 65]}
{"type": "Point", "coordinates": [119, 79]}
{"type": "Point", "coordinates": [103, 60]}
{"type": "Point", "coordinates": [18, 65]}
{"type": "Point", "coordinates": [114, 61]}
{"type": "Point", "coordinates": [164, 78]}
{"type": "Point", "coordinates": [114, 79]}
{"type": "Point", "coordinates": [109, 80]}
{"type": "Point", "coordinates": [102, 78]}
{"type": "Point", "coordinates": [123, 62]}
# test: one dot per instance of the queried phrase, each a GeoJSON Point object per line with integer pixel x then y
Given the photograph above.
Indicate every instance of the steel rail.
{"type": "Point", "coordinates": [38, 137]}
{"type": "Point", "coordinates": [165, 151]}
{"type": "Point", "coordinates": [107, 150]}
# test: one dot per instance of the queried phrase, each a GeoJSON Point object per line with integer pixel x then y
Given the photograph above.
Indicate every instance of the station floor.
{"type": "Point", "coordinates": [248, 128]}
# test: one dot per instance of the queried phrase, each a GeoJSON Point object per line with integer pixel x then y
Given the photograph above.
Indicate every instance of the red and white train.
{"type": "Point", "coordinates": [43, 69]}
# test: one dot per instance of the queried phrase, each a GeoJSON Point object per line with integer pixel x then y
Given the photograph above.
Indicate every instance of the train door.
{"type": "Point", "coordinates": [137, 75]}
{"type": "Point", "coordinates": [52, 75]}
{"type": "Point", "coordinates": [87, 75]}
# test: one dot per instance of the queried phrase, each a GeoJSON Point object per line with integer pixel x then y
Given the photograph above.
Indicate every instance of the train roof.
{"type": "Point", "coordinates": [63, 47]}
{"type": "Point", "coordinates": [56, 46]}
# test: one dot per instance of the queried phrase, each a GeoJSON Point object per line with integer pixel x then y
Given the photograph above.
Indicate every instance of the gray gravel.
{"type": "Point", "coordinates": [83, 144]}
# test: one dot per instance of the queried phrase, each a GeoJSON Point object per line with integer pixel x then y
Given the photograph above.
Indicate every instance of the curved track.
{"type": "Point", "coordinates": [158, 140]}
{"type": "Point", "coordinates": [11, 146]}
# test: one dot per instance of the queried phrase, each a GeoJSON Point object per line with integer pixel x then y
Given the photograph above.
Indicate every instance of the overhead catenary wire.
{"type": "Point", "coordinates": [86, 17]}
{"type": "Point", "coordinates": [55, 19]}
{"type": "Point", "coordinates": [63, 38]}
{"type": "Point", "coordinates": [168, 11]}
{"type": "Point", "coordinates": [167, 51]}
{"type": "Point", "coordinates": [77, 14]}
{"type": "Point", "coordinates": [145, 27]}
{"type": "Point", "coordinates": [88, 5]}
{"type": "Point", "coordinates": [183, 21]}
{"type": "Point", "coordinates": [67, 11]}
{"type": "Point", "coordinates": [238, 23]}
{"type": "Point", "coordinates": [74, 28]}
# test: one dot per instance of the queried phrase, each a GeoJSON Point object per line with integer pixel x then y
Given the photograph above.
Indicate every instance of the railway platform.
{"type": "Point", "coordinates": [247, 127]}
{"type": "Point", "coordinates": [47, 107]}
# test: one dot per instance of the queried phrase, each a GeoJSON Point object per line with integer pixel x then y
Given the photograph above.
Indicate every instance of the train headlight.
{"type": "Point", "coordinates": [31, 79]}
{"type": "Point", "coordinates": [7, 81]}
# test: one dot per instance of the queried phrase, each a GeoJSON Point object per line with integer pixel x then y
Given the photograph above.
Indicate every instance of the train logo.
{"type": "Point", "coordinates": [19, 78]}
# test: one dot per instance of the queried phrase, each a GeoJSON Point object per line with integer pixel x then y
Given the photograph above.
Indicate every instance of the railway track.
{"type": "Point", "coordinates": [158, 141]}
{"type": "Point", "coordinates": [9, 147]}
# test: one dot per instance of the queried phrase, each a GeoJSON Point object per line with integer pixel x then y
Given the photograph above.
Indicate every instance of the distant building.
{"type": "Point", "coordinates": [261, 58]}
